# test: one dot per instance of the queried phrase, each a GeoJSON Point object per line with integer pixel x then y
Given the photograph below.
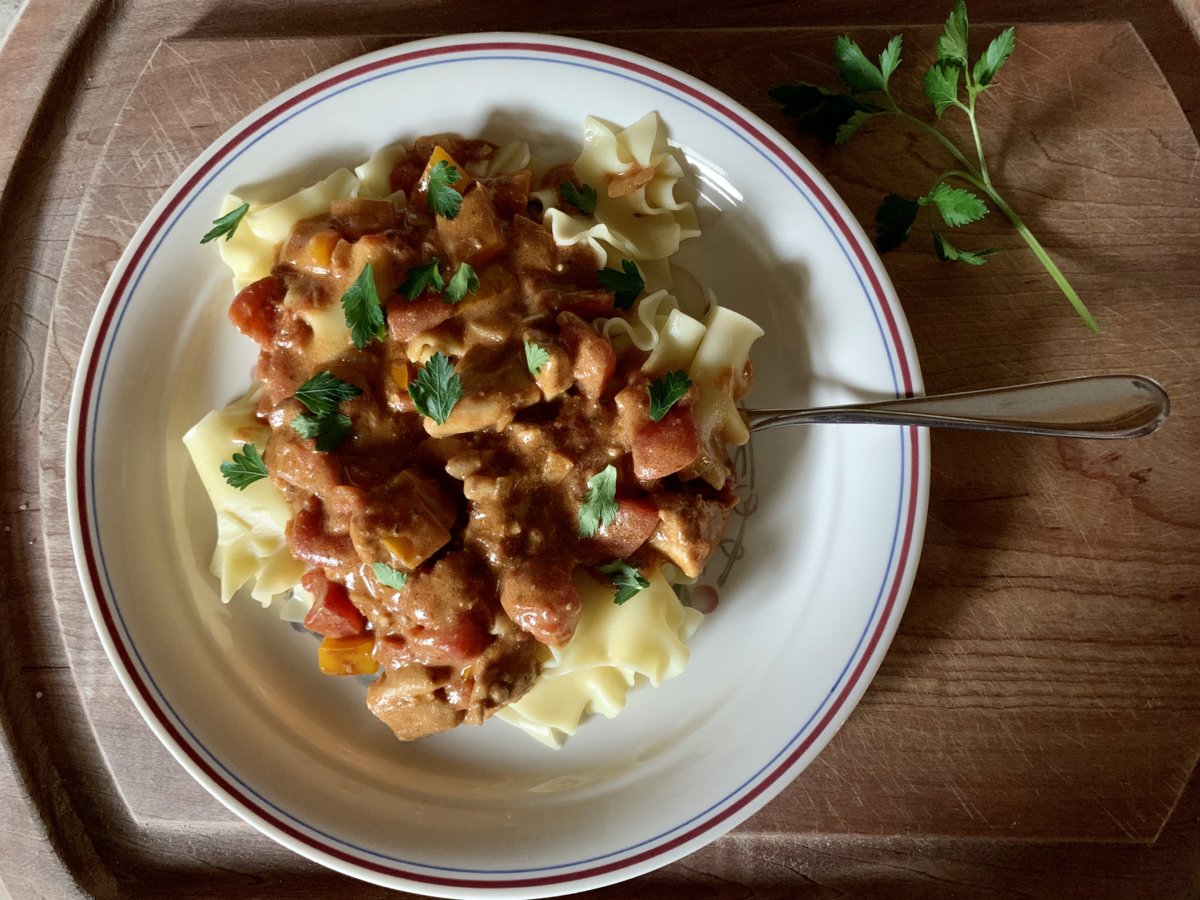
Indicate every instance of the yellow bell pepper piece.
{"type": "Point", "coordinates": [439, 155]}
{"type": "Point", "coordinates": [347, 656]}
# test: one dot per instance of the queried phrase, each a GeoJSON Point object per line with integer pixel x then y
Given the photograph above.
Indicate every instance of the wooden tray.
{"type": "Point", "coordinates": [1034, 728]}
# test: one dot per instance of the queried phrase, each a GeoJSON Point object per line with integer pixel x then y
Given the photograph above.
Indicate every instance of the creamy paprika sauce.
{"type": "Point", "coordinates": [481, 512]}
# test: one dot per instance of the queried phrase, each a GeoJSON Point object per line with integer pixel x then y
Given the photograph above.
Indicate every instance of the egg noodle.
{"type": "Point", "coordinates": [640, 219]}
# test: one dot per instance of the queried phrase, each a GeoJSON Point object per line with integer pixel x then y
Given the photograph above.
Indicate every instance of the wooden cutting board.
{"type": "Point", "coordinates": [1034, 728]}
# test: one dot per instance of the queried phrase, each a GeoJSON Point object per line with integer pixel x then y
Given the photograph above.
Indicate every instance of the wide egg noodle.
{"type": "Point", "coordinates": [678, 339]}
{"type": "Point", "coordinates": [643, 330]}
{"type": "Point", "coordinates": [251, 546]}
{"type": "Point", "coordinates": [375, 175]}
{"type": "Point", "coordinates": [614, 648]}
{"type": "Point", "coordinates": [645, 224]}
{"type": "Point", "coordinates": [250, 252]}
{"type": "Point", "coordinates": [508, 158]}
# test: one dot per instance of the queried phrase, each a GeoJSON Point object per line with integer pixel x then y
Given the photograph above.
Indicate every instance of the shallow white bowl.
{"type": "Point", "coordinates": [832, 516]}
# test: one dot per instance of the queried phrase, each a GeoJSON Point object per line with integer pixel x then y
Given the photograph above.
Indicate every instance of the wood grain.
{"type": "Point", "coordinates": [1034, 728]}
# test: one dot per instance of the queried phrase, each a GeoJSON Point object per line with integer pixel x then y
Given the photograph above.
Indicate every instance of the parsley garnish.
{"type": "Point", "coordinates": [535, 357]}
{"type": "Point", "coordinates": [599, 504]}
{"type": "Point", "coordinates": [328, 429]}
{"type": "Point", "coordinates": [324, 391]}
{"type": "Point", "coordinates": [624, 285]}
{"type": "Point", "coordinates": [227, 224]}
{"type": "Point", "coordinates": [665, 391]}
{"type": "Point", "coordinates": [583, 199]}
{"type": "Point", "coordinates": [625, 578]}
{"type": "Point", "coordinates": [444, 200]}
{"type": "Point", "coordinates": [389, 577]}
{"type": "Point", "coordinates": [364, 313]}
{"type": "Point", "coordinates": [464, 282]}
{"type": "Point", "coordinates": [422, 278]}
{"type": "Point", "coordinates": [245, 468]}
{"type": "Point", "coordinates": [436, 389]}
{"type": "Point", "coordinates": [951, 82]}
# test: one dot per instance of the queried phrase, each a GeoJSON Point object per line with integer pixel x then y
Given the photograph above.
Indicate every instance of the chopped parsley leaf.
{"type": "Point", "coordinates": [625, 578]}
{"type": "Point", "coordinates": [443, 199]}
{"type": "Point", "coordinates": [227, 224]}
{"type": "Point", "coordinates": [583, 199]}
{"type": "Point", "coordinates": [624, 285]}
{"type": "Point", "coordinates": [422, 278]}
{"type": "Point", "coordinates": [324, 391]}
{"type": "Point", "coordinates": [389, 577]}
{"type": "Point", "coordinates": [436, 389]}
{"type": "Point", "coordinates": [245, 468]}
{"type": "Point", "coordinates": [535, 358]}
{"type": "Point", "coordinates": [665, 391]}
{"type": "Point", "coordinates": [599, 504]}
{"type": "Point", "coordinates": [364, 312]}
{"type": "Point", "coordinates": [329, 430]}
{"type": "Point", "coordinates": [463, 282]}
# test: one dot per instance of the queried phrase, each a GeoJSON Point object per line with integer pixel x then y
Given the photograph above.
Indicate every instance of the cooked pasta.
{"type": "Point", "coordinates": [448, 551]}
{"type": "Point", "coordinates": [614, 649]}
{"type": "Point", "coordinates": [251, 548]}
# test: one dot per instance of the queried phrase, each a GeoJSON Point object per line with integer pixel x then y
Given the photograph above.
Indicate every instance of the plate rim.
{"type": "Point", "coordinates": [897, 582]}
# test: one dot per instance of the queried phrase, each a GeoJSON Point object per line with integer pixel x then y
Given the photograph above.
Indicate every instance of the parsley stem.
{"type": "Point", "coordinates": [1034, 244]}
{"type": "Point", "coordinates": [972, 93]}
{"type": "Point", "coordinates": [950, 146]}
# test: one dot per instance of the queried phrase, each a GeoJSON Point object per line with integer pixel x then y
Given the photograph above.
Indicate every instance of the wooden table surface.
{"type": "Point", "coordinates": [1034, 730]}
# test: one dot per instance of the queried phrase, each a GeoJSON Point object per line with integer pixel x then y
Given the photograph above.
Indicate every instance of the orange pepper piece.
{"type": "Point", "coordinates": [347, 656]}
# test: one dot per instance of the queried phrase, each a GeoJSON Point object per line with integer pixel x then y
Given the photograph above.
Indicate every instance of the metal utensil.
{"type": "Point", "coordinates": [1097, 406]}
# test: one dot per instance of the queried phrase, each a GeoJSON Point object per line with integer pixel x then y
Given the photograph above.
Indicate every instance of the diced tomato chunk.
{"type": "Point", "coordinates": [255, 310]}
{"type": "Point", "coordinates": [540, 597]}
{"type": "Point", "coordinates": [308, 540]}
{"type": "Point", "coordinates": [665, 447]}
{"type": "Point", "coordinates": [634, 523]}
{"type": "Point", "coordinates": [333, 613]}
{"type": "Point", "coordinates": [456, 643]}
{"type": "Point", "coordinates": [408, 318]}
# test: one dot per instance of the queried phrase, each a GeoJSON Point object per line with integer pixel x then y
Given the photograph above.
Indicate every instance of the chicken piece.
{"type": "Point", "coordinates": [403, 522]}
{"type": "Point", "coordinates": [689, 529]}
{"type": "Point", "coordinates": [495, 384]}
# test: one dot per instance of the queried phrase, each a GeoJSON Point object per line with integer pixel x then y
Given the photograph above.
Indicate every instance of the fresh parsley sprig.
{"type": "Point", "coordinates": [227, 224]}
{"type": "Point", "coordinates": [665, 391]}
{"type": "Point", "coordinates": [245, 468]}
{"type": "Point", "coordinates": [389, 577]}
{"type": "Point", "coordinates": [583, 199]}
{"type": "Point", "coordinates": [461, 283]}
{"type": "Point", "coordinates": [535, 358]}
{"type": "Point", "coordinates": [322, 394]}
{"type": "Point", "coordinates": [625, 578]}
{"type": "Point", "coordinates": [625, 284]}
{"type": "Point", "coordinates": [951, 82]}
{"type": "Point", "coordinates": [426, 276]}
{"type": "Point", "coordinates": [324, 391]}
{"type": "Point", "coordinates": [442, 198]}
{"type": "Point", "coordinates": [329, 430]}
{"type": "Point", "coordinates": [599, 503]}
{"type": "Point", "coordinates": [363, 311]}
{"type": "Point", "coordinates": [436, 389]}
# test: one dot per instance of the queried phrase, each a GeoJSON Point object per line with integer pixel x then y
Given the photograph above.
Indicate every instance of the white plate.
{"type": "Point", "coordinates": [830, 545]}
